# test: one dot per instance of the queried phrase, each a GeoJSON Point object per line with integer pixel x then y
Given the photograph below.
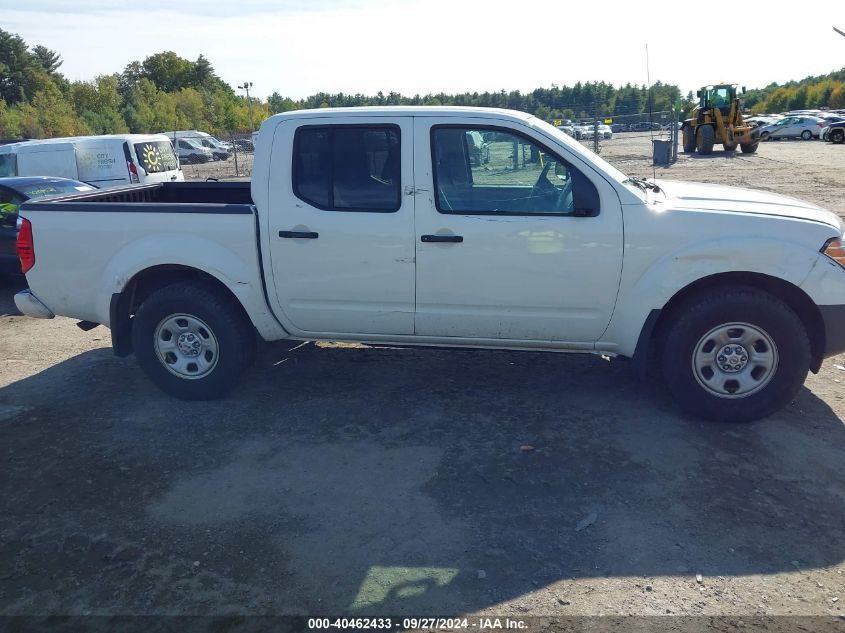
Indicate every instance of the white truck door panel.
{"type": "Point", "coordinates": [341, 224]}
{"type": "Point", "coordinates": [516, 274]}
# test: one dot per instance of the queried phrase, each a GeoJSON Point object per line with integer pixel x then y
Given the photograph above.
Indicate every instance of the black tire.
{"type": "Point", "coordinates": [807, 135]}
{"type": "Point", "coordinates": [689, 139]}
{"type": "Point", "coordinates": [749, 148]}
{"type": "Point", "coordinates": [729, 147]}
{"type": "Point", "coordinates": [705, 138]}
{"type": "Point", "coordinates": [765, 136]}
{"type": "Point", "coordinates": [837, 136]}
{"type": "Point", "coordinates": [688, 330]}
{"type": "Point", "coordinates": [226, 323]}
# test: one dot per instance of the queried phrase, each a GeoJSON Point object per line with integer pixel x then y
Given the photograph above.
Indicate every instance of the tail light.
{"type": "Point", "coordinates": [820, 124]}
{"type": "Point", "coordinates": [133, 172]}
{"type": "Point", "coordinates": [25, 246]}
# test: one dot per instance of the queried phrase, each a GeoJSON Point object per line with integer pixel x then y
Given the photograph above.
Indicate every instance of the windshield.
{"type": "Point", "coordinates": [52, 188]}
{"type": "Point", "coordinates": [156, 156]}
{"type": "Point", "coordinates": [8, 164]}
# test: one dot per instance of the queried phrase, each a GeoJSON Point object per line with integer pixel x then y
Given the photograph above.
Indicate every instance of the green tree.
{"type": "Point", "coordinates": [50, 61]}
{"type": "Point", "coordinates": [17, 67]}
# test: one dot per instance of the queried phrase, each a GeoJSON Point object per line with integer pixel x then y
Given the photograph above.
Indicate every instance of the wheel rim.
{"type": "Point", "coordinates": [734, 360]}
{"type": "Point", "coordinates": [806, 135]}
{"type": "Point", "coordinates": [186, 346]}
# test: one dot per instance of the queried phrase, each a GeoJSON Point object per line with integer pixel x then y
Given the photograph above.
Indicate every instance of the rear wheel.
{"type": "Point", "coordinates": [192, 342]}
{"type": "Point", "coordinates": [735, 355]}
{"type": "Point", "coordinates": [689, 139]}
{"type": "Point", "coordinates": [705, 139]}
{"type": "Point", "coordinates": [806, 135]}
{"type": "Point", "coordinates": [837, 136]}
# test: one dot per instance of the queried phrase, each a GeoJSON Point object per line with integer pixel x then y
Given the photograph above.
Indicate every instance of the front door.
{"type": "Point", "coordinates": [341, 225]}
{"type": "Point", "coordinates": [513, 241]}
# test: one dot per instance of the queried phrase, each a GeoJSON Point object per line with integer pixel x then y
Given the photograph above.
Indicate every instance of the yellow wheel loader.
{"type": "Point", "coordinates": [717, 120]}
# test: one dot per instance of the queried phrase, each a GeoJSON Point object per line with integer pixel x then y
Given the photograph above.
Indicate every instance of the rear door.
{"type": "Point", "coordinates": [341, 224]}
{"type": "Point", "coordinates": [513, 241]}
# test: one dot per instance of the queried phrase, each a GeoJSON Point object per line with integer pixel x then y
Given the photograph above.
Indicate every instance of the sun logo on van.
{"type": "Point", "coordinates": [152, 158]}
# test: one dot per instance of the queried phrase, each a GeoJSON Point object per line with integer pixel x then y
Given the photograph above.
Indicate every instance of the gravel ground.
{"type": "Point", "coordinates": [345, 479]}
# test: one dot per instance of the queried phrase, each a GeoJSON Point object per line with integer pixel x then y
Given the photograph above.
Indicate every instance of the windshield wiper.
{"type": "Point", "coordinates": [643, 184]}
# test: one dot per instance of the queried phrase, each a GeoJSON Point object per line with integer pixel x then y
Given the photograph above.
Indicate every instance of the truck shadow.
{"type": "Point", "coordinates": [358, 480]}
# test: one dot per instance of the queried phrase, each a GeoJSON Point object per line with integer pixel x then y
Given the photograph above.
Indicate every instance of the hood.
{"type": "Point", "coordinates": [707, 197]}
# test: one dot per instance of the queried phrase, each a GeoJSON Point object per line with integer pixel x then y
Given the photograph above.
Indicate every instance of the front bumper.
{"type": "Point", "coordinates": [29, 305]}
{"type": "Point", "coordinates": [834, 329]}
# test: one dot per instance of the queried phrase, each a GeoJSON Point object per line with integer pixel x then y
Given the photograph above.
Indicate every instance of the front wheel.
{"type": "Point", "coordinates": [689, 139]}
{"type": "Point", "coordinates": [192, 341]}
{"type": "Point", "coordinates": [705, 138]}
{"type": "Point", "coordinates": [837, 136]}
{"type": "Point", "coordinates": [735, 355]}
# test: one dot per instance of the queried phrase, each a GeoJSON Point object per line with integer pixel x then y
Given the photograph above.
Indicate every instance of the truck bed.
{"type": "Point", "coordinates": [196, 197]}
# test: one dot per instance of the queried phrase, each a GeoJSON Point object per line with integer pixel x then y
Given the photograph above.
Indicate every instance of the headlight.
{"type": "Point", "coordinates": [835, 249]}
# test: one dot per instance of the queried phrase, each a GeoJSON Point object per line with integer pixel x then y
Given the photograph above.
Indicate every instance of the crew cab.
{"type": "Point", "coordinates": [455, 227]}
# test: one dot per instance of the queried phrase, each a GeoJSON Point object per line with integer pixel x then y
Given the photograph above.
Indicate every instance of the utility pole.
{"type": "Point", "coordinates": [247, 85]}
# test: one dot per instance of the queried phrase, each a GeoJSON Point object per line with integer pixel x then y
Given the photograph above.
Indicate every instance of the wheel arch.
{"type": "Point", "coordinates": [798, 300]}
{"type": "Point", "coordinates": [145, 282]}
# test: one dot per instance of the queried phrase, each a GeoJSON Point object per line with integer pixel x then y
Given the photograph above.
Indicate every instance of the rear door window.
{"type": "Point", "coordinates": [348, 168]}
{"type": "Point", "coordinates": [156, 156]}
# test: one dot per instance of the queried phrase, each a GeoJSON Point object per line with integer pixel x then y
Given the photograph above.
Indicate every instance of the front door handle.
{"type": "Point", "coordinates": [442, 238]}
{"type": "Point", "coordinates": [299, 235]}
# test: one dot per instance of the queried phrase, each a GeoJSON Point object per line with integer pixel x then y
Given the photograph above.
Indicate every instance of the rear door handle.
{"type": "Point", "coordinates": [299, 235]}
{"type": "Point", "coordinates": [442, 238]}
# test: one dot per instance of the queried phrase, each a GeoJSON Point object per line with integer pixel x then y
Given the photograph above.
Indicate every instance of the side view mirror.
{"type": "Point", "coordinates": [698, 93]}
{"type": "Point", "coordinates": [561, 171]}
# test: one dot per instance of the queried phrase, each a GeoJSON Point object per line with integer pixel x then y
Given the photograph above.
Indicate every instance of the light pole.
{"type": "Point", "coordinates": [247, 85]}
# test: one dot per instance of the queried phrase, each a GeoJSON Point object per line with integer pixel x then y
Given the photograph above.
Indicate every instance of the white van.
{"type": "Point", "coordinates": [103, 161]}
{"type": "Point", "coordinates": [219, 149]}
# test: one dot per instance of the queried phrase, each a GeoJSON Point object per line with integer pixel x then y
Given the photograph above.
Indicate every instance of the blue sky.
{"type": "Point", "coordinates": [297, 47]}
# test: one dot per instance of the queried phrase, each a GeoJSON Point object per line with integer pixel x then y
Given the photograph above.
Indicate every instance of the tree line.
{"type": "Point", "coordinates": [168, 92]}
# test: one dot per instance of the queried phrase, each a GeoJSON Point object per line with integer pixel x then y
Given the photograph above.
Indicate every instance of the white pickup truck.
{"type": "Point", "coordinates": [457, 227]}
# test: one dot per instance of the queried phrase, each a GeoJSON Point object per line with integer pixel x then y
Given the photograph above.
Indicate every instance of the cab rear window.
{"type": "Point", "coordinates": [156, 156]}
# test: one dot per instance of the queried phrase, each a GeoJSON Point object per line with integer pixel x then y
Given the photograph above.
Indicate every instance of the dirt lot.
{"type": "Point", "coordinates": [352, 480]}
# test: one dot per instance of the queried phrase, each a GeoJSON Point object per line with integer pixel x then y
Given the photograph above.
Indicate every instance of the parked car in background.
{"type": "Point", "coordinates": [568, 129]}
{"type": "Point", "coordinates": [828, 121]}
{"type": "Point", "coordinates": [836, 133]}
{"type": "Point", "coordinates": [605, 131]}
{"type": "Point", "coordinates": [219, 149]}
{"type": "Point", "coordinates": [644, 126]}
{"type": "Point", "coordinates": [107, 160]}
{"type": "Point", "coordinates": [191, 152]}
{"type": "Point", "coordinates": [619, 127]}
{"type": "Point", "coordinates": [805, 127]}
{"type": "Point", "coordinates": [13, 192]}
